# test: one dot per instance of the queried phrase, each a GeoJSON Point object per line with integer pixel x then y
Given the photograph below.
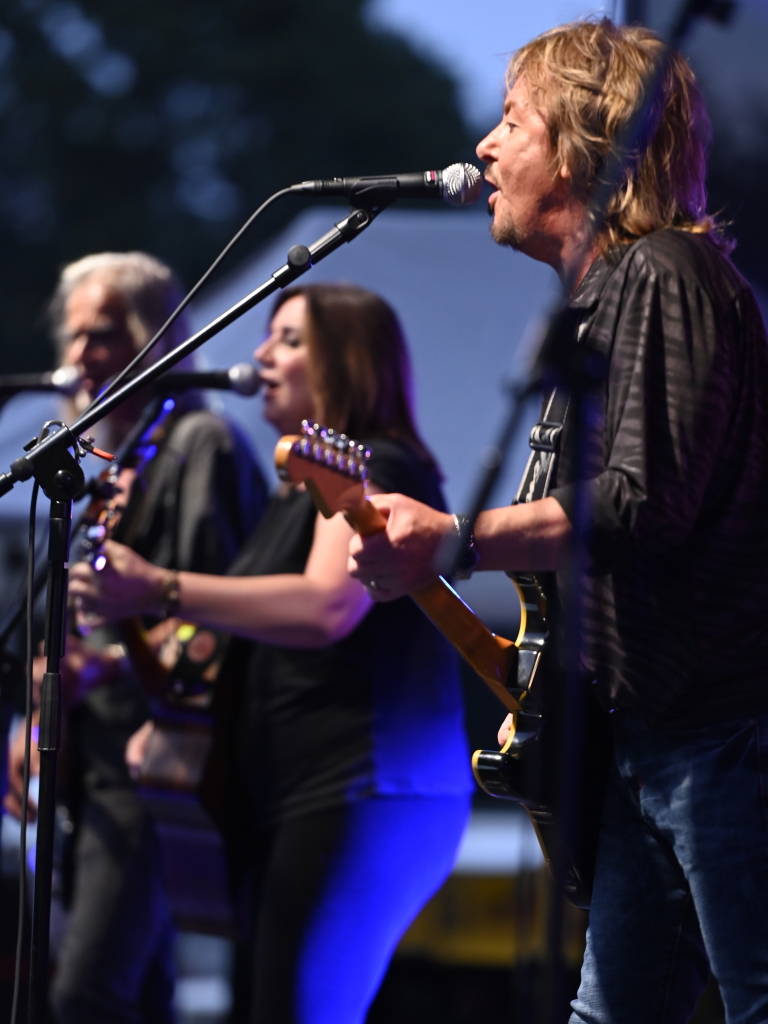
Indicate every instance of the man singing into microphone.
{"type": "Point", "coordinates": [675, 599]}
{"type": "Point", "coordinates": [193, 498]}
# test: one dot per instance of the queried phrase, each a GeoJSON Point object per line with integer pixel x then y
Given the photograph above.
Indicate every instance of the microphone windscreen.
{"type": "Point", "coordinates": [244, 378]}
{"type": "Point", "coordinates": [462, 184]}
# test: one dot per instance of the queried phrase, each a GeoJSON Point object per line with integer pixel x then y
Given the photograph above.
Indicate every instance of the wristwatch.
{"type": "Point", "coordinates": [469, 555]}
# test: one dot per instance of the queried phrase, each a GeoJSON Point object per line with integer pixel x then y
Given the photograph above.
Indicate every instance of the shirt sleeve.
{"type": "Point", "coordinates": [221, 496]}
{"type": "Point", "coordinates": [205, 494]}
{"type": "Point", "coordinates": [669, 393]}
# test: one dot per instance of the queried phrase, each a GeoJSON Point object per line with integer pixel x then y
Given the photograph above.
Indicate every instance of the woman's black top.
{"type": "Point", "coordinates": [378, 712]}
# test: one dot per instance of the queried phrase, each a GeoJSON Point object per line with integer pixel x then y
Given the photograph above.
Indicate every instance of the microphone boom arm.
{"type": "Point", "coordinates": [300, 259]}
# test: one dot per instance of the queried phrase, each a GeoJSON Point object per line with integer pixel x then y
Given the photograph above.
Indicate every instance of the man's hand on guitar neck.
{"type": "Point", "coordinates": [396, 561]}
{"type": "Point", "coordinates": [400, 559]}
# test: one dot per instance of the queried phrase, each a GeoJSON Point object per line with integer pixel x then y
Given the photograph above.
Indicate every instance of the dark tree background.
{"type": "Point", "coordinates": [737, 188]}
{"type": "Point", "coordinates": [730, 62]}
{"type": "Point", "coordinates": [160, 124]}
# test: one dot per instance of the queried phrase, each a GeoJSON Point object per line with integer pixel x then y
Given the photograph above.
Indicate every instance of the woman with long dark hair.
{"type": "Point", "coordinates": [351, 812]}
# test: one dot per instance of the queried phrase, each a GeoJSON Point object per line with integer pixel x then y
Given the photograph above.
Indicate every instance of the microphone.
{"type": "Point", "coordinates": [458, 185]}
{"type": "Point", "coordinates": [65, 380]}
{"type": "Point", "coordinates": [243, 378]}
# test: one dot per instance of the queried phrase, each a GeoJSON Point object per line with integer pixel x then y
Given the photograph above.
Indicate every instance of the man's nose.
{"type": "Point", "coordinates": [486, 147]}
{"type": "Point", "coordinates": [75, 350]}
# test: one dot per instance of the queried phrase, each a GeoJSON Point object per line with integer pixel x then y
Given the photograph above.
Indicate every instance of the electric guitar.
{"type": "Point", "coordinates": [333, 469]}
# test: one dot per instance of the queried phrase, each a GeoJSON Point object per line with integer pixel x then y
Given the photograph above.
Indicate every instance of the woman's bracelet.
{"type": "Point", "coordinates": [169, 594]}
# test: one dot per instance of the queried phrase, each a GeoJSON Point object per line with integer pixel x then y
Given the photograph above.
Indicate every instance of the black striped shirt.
{"type": "Point", "coordinates": [676, 604]}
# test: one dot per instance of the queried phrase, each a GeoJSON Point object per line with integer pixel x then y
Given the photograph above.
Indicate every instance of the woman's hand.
{"type": "Point", "coordinates": [128, 585]}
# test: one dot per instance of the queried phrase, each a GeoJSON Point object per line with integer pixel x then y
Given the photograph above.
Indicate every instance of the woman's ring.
{"type": "Point", "coordinates": [373, 585]}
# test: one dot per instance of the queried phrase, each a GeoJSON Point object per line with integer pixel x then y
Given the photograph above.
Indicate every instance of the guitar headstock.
{"type": "Point", "coordinates": [101, 517]}
{"type": "Point", "coordinates": [330, 464]}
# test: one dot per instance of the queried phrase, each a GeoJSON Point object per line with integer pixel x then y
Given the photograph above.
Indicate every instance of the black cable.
{"type": "Point", "coordinates": [27, 749]}
{"type": "Point", "coordinates": [18, 605]}
{"type": "Point", "coordinates": [113, 384]}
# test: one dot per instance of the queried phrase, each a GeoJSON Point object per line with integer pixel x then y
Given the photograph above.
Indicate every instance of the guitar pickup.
{"type": "Point", "coordinates": [544, 436]}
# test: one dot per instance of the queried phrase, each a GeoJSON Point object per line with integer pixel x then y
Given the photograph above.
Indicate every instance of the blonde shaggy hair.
{"type": "Point", "coordinates": [586, 79]}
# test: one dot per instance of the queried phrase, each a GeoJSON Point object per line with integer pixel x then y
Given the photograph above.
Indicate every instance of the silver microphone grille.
{"type": "Point", "coordinates": [66, 380]}
{"type": "Point", "coordinates": [462, 184]}
{"type": "Point", "coordinates": [244, 378]}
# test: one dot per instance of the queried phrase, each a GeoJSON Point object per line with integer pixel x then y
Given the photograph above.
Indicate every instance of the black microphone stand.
{"type": "Point", "coordinates": [60, 475]}
{"type": "Point", "coordinates": [59, 486]}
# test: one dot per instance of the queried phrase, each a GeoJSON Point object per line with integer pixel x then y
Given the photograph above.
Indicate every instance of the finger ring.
{"type": "Point", "coordinates": [373, 585]}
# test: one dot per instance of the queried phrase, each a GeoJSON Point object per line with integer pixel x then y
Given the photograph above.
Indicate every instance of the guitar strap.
{"type": "Point", "coordinates": [580, 852]}
{"type": "Point", "coordinates": [544, 441]}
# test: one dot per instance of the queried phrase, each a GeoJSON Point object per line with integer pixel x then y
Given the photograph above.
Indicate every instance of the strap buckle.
{"type": "Point", "coordinates": [544, 436]}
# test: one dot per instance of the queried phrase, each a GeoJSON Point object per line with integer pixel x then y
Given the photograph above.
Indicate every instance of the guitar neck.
{"type": "Point", "coordinates": [492, 657]}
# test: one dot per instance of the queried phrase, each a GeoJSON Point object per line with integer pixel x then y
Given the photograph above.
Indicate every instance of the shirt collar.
{"type": "Point", "coordinates": [589, 290]}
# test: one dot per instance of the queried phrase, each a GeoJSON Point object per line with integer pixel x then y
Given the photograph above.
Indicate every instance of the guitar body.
{"type": "Point", "coordinates": [332, 467]}
{"type": "Point", "coordinates": [527, 771]}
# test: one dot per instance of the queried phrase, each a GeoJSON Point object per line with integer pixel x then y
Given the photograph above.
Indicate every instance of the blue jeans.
{"type": "Point", "coordinates": [681, 881]}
